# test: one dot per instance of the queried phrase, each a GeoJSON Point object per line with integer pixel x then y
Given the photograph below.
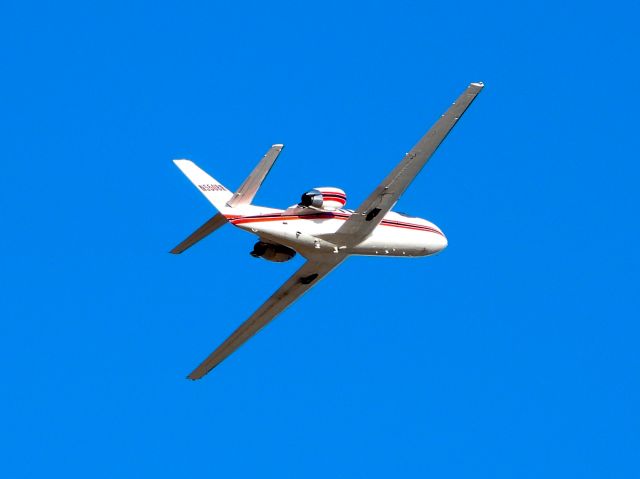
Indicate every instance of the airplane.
{"type": "Point", "coordinates": [319, 228]}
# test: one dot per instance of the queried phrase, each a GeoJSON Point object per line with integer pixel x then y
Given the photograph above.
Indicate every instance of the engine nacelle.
{"type": "Point", "coordinates": [325, 198]}
{"type": "Point", "coordinates": [272, 252]}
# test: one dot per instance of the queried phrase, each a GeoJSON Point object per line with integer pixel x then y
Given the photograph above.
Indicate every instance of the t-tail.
{"type": "Point", "coordinates": [227, 203]}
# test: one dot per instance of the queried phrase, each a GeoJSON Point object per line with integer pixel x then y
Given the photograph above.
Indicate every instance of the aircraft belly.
{"type": "Point", "coordinates": [306, 236]}
{"type": "Point", "coordinates": [299, 234]}
{"type": "Point", "coordinates": [390, 241]}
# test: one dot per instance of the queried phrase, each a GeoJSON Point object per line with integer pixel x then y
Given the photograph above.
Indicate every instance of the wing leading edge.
{"type": "Point", "coordinates": [302, 281]}
{"type": "Point", "coordinates": [379, 203]}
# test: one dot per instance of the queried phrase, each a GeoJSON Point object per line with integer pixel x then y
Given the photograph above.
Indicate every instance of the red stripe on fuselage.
{"type": "Point", "coordinates": [328, 216]}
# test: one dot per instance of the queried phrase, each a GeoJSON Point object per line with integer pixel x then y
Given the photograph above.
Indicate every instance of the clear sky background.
{"type": "Point", "coordinates": [512, 354]}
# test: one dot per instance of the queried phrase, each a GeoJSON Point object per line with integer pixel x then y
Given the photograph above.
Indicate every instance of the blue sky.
{"type": "Point", "coordinates": [512, 354]}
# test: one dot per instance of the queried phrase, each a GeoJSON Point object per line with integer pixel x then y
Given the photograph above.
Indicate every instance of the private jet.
{"type": "Point", "coordinates": [319, 228]}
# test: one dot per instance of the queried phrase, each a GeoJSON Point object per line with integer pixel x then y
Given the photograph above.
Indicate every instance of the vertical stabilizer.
{"type": "Point", "coordinates": [212, 190]}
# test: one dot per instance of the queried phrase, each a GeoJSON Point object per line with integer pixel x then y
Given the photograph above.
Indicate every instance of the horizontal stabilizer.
{"type": "Point", "coordinates": [206, 229]}
{"type": "Point", "coordinates": [248, 189]}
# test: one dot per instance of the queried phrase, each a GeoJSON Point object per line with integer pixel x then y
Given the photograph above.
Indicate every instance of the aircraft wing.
{"type": "Point", "coordinates": [372, 210]}
{"type": "Point", "coordinates": [302, 281]}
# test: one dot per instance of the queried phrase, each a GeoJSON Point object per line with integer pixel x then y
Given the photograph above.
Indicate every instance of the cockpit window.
{"type": "Point", "coordinates": [405, 215]}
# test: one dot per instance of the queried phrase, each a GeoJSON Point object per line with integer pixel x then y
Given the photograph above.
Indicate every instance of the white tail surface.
{"type": "Point", "coordinates": [248, 189]}
{"type": "Point", "coordinates": [212, 190]}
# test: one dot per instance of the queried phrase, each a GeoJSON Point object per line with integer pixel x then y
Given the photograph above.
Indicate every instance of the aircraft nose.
{"type": "Point", "coordinates": [441, 242]}
{"type": "Point", "coordinates": [435, 243]}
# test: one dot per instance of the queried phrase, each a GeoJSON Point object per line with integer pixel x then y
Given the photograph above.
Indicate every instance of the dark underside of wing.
{"type": "Point", "coordinates": [381, 200]}
{"type": "Point", "coordinates": [302, 281]}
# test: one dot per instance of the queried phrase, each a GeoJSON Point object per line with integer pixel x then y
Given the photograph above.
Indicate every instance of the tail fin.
{"type": "Point", "coordinates": [212, 190]}
{"type": "Point", "coordinates": [227, 203]}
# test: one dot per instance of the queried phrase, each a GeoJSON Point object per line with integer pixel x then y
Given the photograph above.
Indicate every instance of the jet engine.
{"type": "Point", "coordinates": [324, 198]}
{"type": "Point", "coordinates": [272, 252]}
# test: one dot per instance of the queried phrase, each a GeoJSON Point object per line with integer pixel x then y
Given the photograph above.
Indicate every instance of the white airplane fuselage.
{"type": "Point", "coordinates": [302, 230]}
